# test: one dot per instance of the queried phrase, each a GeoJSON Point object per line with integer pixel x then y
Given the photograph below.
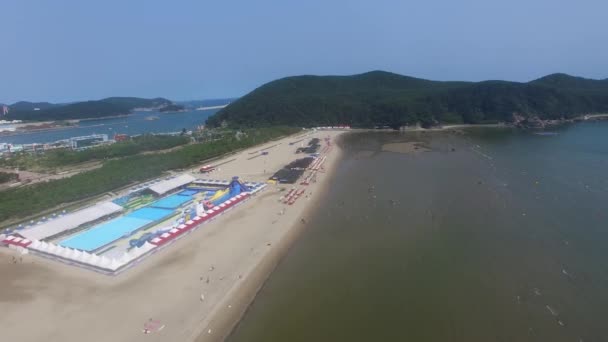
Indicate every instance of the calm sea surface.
{"type": "Point", "coordinates": [495, 235]}
{"type": "Point", "coordinates": [132, 124]}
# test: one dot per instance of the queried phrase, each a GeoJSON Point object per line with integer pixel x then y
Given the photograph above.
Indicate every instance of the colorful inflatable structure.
{"type": "Point", "coordinates": [135, 243]}
{"type": "Point", "coordinates": [234, 192]}
{"type": "Point", "coordinates": [234, 188]}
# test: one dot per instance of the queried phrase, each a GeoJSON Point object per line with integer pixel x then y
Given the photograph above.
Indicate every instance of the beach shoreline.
{"type": "Point", "coordinates": [225, 321]}
{"type": "Point", "coordinates": [203, 281]}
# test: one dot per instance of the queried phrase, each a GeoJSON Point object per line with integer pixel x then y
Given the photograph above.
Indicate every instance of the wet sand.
{"type": "Point", "coordinates": [196, 288]}
{"type": "Point", "coordinates": [405, 147]}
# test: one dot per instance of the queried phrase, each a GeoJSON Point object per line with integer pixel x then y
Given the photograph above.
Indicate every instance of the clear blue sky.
{"type": "Point", "coordinates": [58, 50]}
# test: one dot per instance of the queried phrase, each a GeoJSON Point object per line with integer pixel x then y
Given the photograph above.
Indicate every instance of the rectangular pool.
{"type": "Point", "coordinates": [171, 202]}
{"type": "Point", "coordinates": [150, 214]}
{"type": "Point", "coordinates": [188, 192]}
{"type": "Point", "coordinates": [113, 230]}
{"type": "Point", "coordinates": [104, 233]}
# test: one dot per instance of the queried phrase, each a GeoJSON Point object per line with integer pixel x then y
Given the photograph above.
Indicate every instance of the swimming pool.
{"type": "Point", "coordinates": [171, 202]}
{"type": "Point", "coordinates": [113, 230]}
{"type": "Point", "coordinates": [188, 192]}
{"type": "Point", "coordinates": [150, 214]}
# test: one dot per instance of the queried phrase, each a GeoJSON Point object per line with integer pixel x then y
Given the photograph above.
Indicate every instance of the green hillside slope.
{"type": "Point", "coordinates": [382, 98]}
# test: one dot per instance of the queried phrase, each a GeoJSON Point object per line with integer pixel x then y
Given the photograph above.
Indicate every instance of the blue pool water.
{"type": "Point", "coordinates": [105, 233]}
{"type": "Point", "coordinates": [122, 200]}
{"type": "Point", "coordinates": [150, 214]}
{"type": "Point", "coordinates": [113, 230]}
{"type": "Point", "coordinates": [171, 202]}
{"type": "Point", "coordinates": [209, 188]}
{"type": "Point", "coordinates": [188, 192]}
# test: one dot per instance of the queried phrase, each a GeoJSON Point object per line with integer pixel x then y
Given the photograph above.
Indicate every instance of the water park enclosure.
{"type": "Point", "coordinates": [148, 222]}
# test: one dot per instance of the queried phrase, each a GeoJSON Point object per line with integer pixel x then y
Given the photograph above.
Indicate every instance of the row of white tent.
{"type": "Point", "coordinates": [91, 259]}
{"type": "Point", "coordinates": [71, 220]}
{"type": "Point", "coordinates": [212, 181]}
{"type": "Point", "coordinates": [167, 185]}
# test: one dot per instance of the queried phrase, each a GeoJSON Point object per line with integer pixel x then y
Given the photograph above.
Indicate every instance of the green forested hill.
{"type": "Point", "coordinates": [25, 105]}
{"type": "Point", "coordinates": [80, 110]}
{"type": "Point", "coordinates": [382, 98]}
{"type": "Point", "coordinates": [563, 81]}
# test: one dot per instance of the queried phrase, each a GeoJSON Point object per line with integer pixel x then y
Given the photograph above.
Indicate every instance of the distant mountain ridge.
{"type": "Point", "coordinates": [384, 98]}
{"type": "Point", "coordinates": [566, 81]}
{"type": "Point", "coordinates": [111, 106]}
{"type": "Point", "coordinates": [25, 105]}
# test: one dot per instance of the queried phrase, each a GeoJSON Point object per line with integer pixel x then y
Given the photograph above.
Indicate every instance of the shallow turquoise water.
{"type": "Point", "coordinates": [110, 231]}
{"type": "Point", "coordinates": [171, 202]}
{"type": "Point", "coordinates": [495, 235]}
{"type": "Point", "coordinates": [104, 233]}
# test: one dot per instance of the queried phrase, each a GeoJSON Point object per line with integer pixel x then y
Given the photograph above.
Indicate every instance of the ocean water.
{"type": "Point", "coordinates": [132, 124]}
{"type": "Point", "coordinates": [493, 235]}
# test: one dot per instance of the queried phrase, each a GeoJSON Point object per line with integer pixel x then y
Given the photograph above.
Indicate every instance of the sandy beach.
{"type": "Point", "coordinates": [196, 289]}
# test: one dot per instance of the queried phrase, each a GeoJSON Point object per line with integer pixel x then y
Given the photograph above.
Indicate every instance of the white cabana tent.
{"type": "Point", "coordinates": [115, 264]}
{"type": "Point", "coordinates": [165, 186]}
{"type": "Point", "coordinates": [70, 221]}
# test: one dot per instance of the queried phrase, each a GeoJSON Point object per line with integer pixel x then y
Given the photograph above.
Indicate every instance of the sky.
{"type": "Point", "coordinates": [60, 51]}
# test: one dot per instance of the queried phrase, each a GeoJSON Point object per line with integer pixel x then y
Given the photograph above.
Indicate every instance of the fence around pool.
{"type": "Point", "coordinates": [106, 233]}
{"type": "Point", "coordinates": [113, 266]}
{"type": "Point", "coordinates": [100, 237]}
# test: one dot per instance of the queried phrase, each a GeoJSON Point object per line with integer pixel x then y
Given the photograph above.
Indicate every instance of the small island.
{"type": "Point", "coordinates": [171, 108]}
{"type": "Point", "coordinates": [108, 107]}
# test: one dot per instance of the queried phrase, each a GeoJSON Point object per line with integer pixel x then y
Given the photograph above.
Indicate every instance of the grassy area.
{"type": "Point", "coordinates": [60, 158]}
{"type": "Point", "coordinates": [7, 177]}
{"type": "Point", "coordinates": [117, 173]}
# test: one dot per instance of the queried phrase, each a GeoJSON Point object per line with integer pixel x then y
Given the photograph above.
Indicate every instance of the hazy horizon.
{"type": "Point", "coordinates": [68, 51]}
{"type": "Point", "coordinates": [74, 101]}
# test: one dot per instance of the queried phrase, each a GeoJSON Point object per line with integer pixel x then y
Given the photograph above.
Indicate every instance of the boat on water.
{"type": "Point", "coordinates": [151, 118]}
